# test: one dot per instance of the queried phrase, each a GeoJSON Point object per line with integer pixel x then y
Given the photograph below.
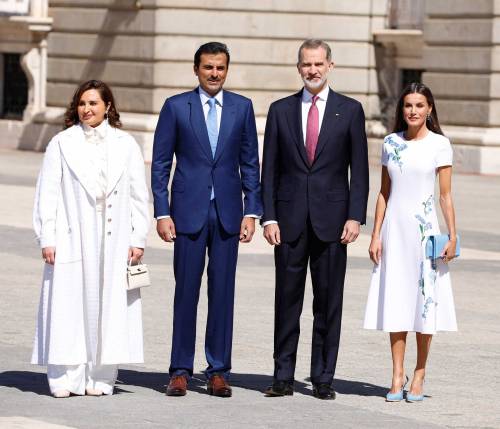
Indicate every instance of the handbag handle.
{"type": "Point", "coordinates": [130, 262]}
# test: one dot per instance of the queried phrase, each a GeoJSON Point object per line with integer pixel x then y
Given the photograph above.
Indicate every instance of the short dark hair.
{"type": "Point", "coordinates": [71, 116]}
{"type": "Point", "coordinates": [314, 44]}
{"type": "Point", "coordinates": [432, 121]}
{"type": "Point", "coordinates": [210, 48]}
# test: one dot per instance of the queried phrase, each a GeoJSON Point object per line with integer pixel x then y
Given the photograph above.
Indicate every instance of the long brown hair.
{"type": "Point", "coordinates": [432, 121]}
{"type": "Point", "coordinates": [71, 116]}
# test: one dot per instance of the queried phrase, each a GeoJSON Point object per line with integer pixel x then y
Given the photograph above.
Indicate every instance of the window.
{"type": "Point", "coordinates": [410, 75]}
{"type": "Point", "coordinates": [14, 94]}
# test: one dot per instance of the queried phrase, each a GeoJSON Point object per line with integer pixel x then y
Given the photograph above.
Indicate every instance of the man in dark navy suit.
{"type": "Point", "coordinates": [315, 191]}
{"type": "Point", "coordinates": [213, 135]}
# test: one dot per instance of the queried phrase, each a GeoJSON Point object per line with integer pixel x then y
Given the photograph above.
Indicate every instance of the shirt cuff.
{"type": "Point", "coordinates": [162, 217]}
{"type": "Point", "coordinates": [269, 222]}
{"type": "Point", "coordinates": [253, 215]}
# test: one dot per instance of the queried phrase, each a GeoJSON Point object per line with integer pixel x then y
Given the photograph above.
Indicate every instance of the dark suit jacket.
{"type": "Point", "coordinates": [292, 190]}
{"type": "Point", "coordinates": [182, 130]}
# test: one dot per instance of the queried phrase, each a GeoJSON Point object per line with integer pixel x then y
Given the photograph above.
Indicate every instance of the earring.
{"type": "Point", "coordinates": [106, 115]}
{"type": "Point", "coordinates": [429, 118]}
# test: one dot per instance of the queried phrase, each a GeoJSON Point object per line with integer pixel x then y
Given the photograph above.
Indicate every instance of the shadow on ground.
{"type": "Point", "coordinates": [36, 382]}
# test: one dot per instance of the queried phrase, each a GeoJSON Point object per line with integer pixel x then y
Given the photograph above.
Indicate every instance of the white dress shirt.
{"type": "Point", "coordinates": [204, 96]}
{"type": "Point", "coordinates": [306, 105]}
{"type": "Point", "coordinates": [95, 137]}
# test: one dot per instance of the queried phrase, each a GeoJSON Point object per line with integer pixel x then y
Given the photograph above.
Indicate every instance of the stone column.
{"type": "Point", "coordinates": [26, 34]}
{"type": "Point", "coordinates": [462, 62]}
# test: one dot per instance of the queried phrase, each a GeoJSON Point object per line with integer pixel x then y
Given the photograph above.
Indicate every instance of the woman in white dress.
{"type": "Point", "coordinates": [406, 292]}
{"type": "Point", "coordinates": [91, 217]}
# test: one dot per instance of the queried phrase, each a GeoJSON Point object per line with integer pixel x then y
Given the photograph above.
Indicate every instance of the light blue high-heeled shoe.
{"type": "Point", "coordinates": [415, 398]}
{"type": "Point", "coordinates": [398, 396]}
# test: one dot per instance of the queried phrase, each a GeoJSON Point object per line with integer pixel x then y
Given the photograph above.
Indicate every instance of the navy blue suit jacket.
{"type": "Point", "coordinates": [234, 169]}
{"type": "Point", "coordinates": [331, 190]}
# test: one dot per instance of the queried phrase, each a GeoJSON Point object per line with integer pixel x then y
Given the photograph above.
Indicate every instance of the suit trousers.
{"type": "Point", "coordinates": [189, 263]}
{"type": "Point", "coordinates": [327, 262]}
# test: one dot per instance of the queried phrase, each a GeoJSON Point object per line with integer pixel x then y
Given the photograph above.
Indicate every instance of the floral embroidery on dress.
{"type": "Point", "coordinates": [428, 205]}
{"type": "Point", "coordinates": [421, 279]}
{"type": "Point", "coordinates": [397, 148]}
{"type": "Point", "coordinates": [424, 225]}
{"type": "Point", "coordinates": [427, 303]}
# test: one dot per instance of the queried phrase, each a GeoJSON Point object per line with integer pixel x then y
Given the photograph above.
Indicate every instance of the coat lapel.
{"type": "Point", "coordinates": [197, 119]}
{"type": "Point", "coordinates": [295, 123]}
{"type": "Point", "coordinates": [226, 123]}
{"type": "Point", "coordinates": [329, 120]}
{"type": "Point", "coordinates": [77, 158]}
{"type": "Point", "coordinates": [117, 158]}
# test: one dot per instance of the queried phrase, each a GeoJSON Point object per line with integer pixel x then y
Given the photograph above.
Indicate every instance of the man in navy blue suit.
{"type": "Point", "coordinates": [213, 135]}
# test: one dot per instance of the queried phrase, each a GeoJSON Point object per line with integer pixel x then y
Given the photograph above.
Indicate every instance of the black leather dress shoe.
{"type": "Point", "coordinates": [323, 391]}
{"type": "Point", "coordinates": [280, 388]}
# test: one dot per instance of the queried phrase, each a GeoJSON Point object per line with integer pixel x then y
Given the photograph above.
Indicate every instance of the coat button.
{"type": "Point", "coordinates": [115, 192]}
{"type": "Point", "coordinates": [109, 232]}
{"type": "Point", "coordinates": [109, 206]}
{"type": "Point", "coordinates": [109, 219]}
{"type": "Point", "coordinates": [69, 230]}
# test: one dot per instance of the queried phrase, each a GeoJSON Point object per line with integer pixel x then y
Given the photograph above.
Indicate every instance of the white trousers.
{"type": "Point", "coordinates": [77, 378]}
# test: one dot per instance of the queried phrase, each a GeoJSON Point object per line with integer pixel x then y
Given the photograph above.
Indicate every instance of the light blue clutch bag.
{"type": "Point", "coordinates": [435, 245]}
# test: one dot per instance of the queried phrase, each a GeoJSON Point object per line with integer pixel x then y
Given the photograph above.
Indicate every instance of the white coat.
{"type": "Point", "coordinates": [65, 217]}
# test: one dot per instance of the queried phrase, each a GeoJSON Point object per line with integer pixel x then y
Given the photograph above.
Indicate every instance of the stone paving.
{"type": "Point", "coordinates": [461, 383]}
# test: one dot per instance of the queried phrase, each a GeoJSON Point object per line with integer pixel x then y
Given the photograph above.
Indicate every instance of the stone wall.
{"type": "Point", "coordinates": [462, 62]}
{"type": "Point", "coordinates": [144, 49]}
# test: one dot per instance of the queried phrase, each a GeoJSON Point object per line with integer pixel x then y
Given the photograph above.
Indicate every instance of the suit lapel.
{"type": "Point", "coordinates": [226, 123]}
{"type": "Point", "coordinates": [295, 123]}
{"type": "Point", "coordinates": [77, 158]}
{"type": "Point", "coordinates": [197, 119]}
{"type": "Point", "coordinates": [329, 119]}
{"type": "Point", "coordinates": [117, 158]}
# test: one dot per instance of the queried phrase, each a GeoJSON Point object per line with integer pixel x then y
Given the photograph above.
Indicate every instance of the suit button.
{"type": "Point", "coordinates": [115, 192]}
{"type": "Point", "coordinates": [109, 206]}
{"type": "Point", "coordinates": [109, 232]}
{"type": "Point", "coordinates": [109, 219]}
{"type": "Point", "coordinates": [69, 230]}
{"type": "Point", "coordinates": [209, 186]}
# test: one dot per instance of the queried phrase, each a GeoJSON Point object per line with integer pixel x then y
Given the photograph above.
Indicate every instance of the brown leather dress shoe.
{"type": "Point", "coordinates": [177, 386]}
{"type": "Point", "coordinates": [218, 386]}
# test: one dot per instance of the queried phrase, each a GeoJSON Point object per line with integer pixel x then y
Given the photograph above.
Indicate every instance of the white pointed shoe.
{"type": "Point", "coordinates": [93, 392]}
{"type": "Point", "coordinates": [61, 394]}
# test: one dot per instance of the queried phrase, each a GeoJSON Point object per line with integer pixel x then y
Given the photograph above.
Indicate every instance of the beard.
{"type": "Point", "coordinates": [314, 85]}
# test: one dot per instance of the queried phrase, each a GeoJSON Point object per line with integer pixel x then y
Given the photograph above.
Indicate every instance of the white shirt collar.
{"type": "Point", "coordinates": [204, 96]}
{"type": "Point", "coordinates": [99, 132]}
{"type": "Point", "coordinates": [322, 95]}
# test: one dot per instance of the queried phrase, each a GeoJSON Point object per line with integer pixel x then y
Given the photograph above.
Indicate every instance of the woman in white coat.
{"type": "Point", "coordinates": [91, 217]}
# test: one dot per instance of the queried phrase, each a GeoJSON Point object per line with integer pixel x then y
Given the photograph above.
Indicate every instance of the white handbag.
{"type": "Point", "coordinates": [137, 276]}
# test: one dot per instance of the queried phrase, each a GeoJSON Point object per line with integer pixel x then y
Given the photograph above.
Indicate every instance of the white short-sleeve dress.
{"type": "Point", "coordinates": [406, 293]}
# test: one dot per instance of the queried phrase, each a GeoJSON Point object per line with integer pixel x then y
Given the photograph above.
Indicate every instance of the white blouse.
{"type": "Point", "coordinates": [96, 139]}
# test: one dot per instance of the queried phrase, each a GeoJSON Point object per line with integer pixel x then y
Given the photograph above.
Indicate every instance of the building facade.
{"type": "Point", "coordinates": [144, 50]}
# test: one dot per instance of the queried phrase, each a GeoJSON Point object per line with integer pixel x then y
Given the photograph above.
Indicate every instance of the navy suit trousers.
{"type": "Point", "coordinates": [189, 263]}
